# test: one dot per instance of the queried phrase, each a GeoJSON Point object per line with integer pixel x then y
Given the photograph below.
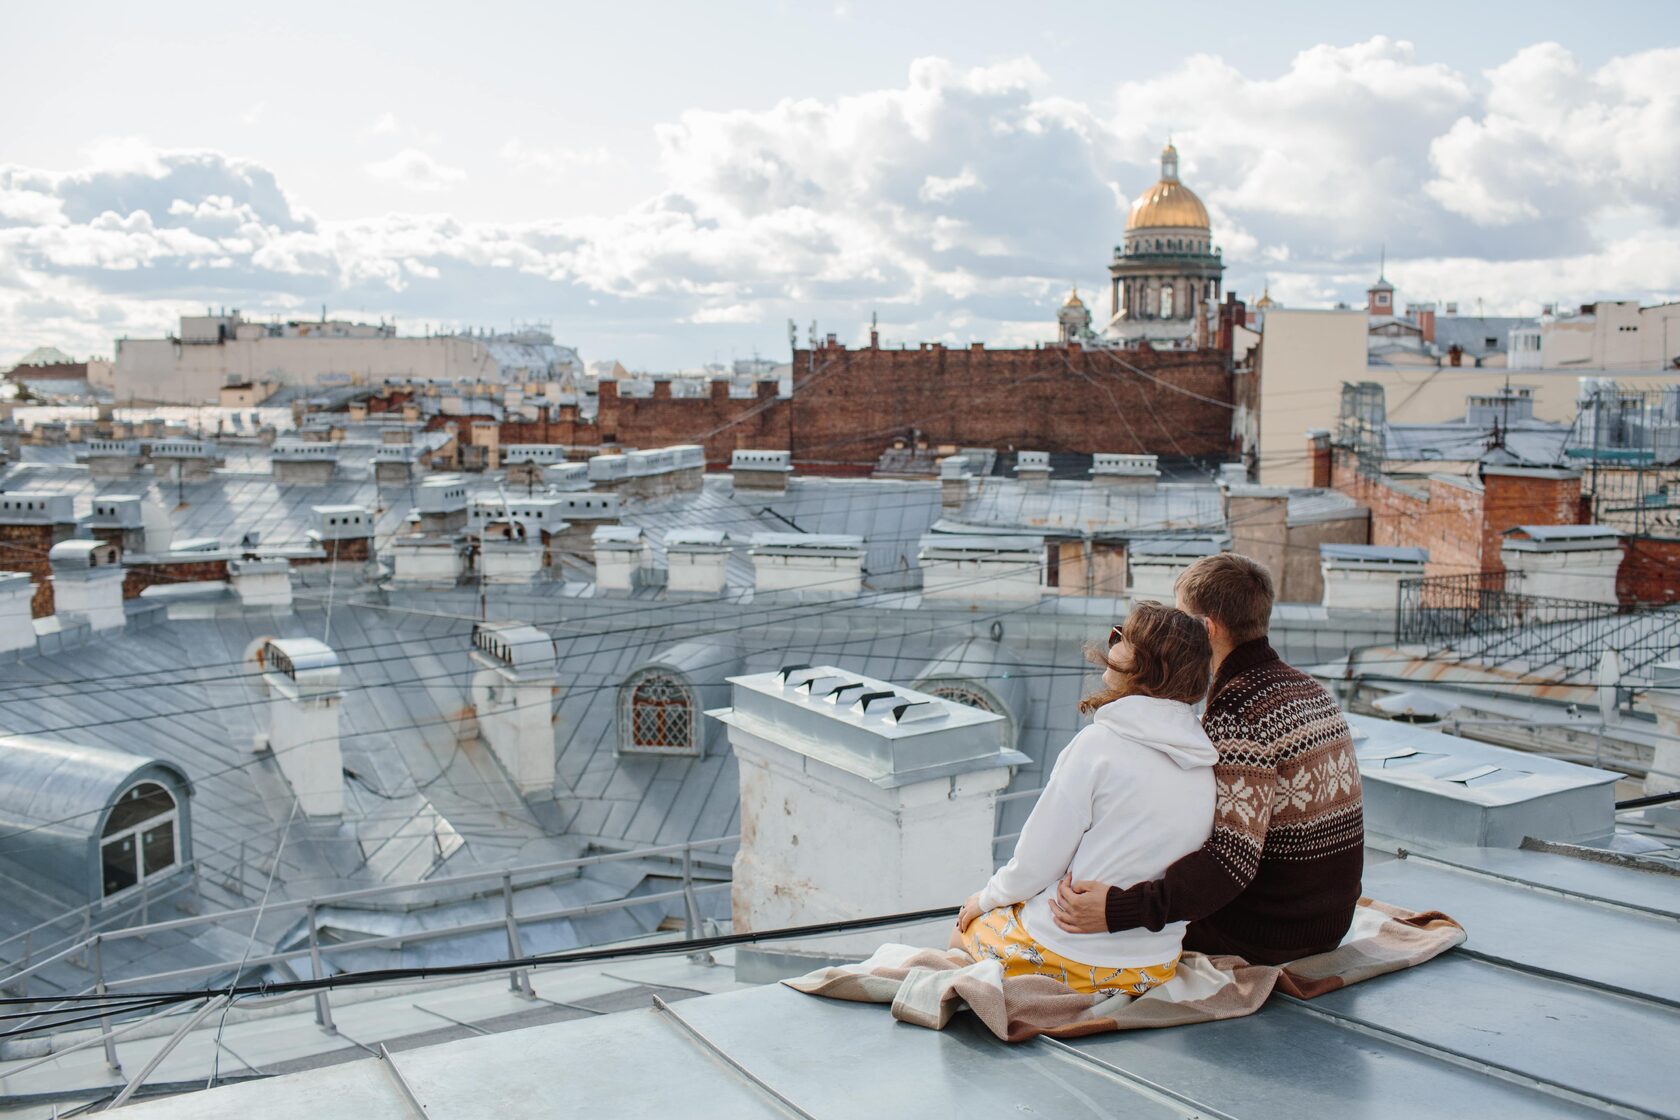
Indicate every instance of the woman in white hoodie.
{"type": "Point", "coordinates": [1129, 795]}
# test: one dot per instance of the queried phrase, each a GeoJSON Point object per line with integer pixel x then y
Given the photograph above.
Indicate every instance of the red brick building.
{"type": "Point", "coordinates": [850, 405]}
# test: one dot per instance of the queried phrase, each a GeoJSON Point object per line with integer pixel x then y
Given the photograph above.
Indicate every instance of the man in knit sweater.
{"type": "Point", "coordinates": [1279, 877]}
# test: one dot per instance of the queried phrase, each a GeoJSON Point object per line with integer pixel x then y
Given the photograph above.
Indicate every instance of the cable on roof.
{"type": "Point", "coordinates": [136, 1001]}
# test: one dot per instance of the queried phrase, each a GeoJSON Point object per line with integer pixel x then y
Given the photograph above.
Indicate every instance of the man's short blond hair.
{"type": "Point", "coordinates": [1231, 589]}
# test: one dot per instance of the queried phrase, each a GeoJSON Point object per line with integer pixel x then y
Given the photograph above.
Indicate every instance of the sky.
{"type": "Point", "coordinates": [671, 184]}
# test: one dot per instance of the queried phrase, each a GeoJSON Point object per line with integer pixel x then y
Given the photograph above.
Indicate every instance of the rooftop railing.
{"type": "Point", "coordinates": [1484, 619]}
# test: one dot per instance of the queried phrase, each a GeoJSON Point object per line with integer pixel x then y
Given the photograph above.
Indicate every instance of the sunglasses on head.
{"type": "Point", "coordinates": [1114, 637]}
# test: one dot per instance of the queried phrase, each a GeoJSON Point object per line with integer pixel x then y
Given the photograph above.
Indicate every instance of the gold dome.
{"type": "Point", "coordinates": [1073, 299]}
{"type": "Point", "coordinates": [1169, 202]}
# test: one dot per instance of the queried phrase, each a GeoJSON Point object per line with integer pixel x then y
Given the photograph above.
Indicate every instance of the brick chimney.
{"type": "Point", "coordinates": [696, 561]}
{"type": "Point", "coordinates": [1319, 457]}
{"type": "Point", "coordinates": [858, 797]}
{"type": "Point", "coordinates": [621, 558]}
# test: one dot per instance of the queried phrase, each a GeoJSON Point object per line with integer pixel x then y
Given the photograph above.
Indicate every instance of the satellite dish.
{"type": "Point", "coordinates": [1609, 686]}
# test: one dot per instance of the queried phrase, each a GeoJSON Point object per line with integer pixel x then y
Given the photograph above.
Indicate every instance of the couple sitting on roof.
{"type": "Point", "coordinates": [1241, 833]}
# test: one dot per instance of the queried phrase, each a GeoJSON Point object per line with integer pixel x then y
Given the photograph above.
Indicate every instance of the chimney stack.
{"type": "Point", "coordinates": [513, 699]}
{"type": "Point", "coordinates": [954, 477]}
{"type": "Point", "coordinates": [17, 629]}
{"type": "Point", "coordinates": [300, 677]}
{"type": "Point", "coordinates": [621, 558]}
{"type": "Point", "coordinates": [983, 568]}
{"type": "Point", "coordinates": [697, 561]}
{"type": "Point", "coordinates": [87, 579]}
{"type": "Point", "coordinates": [858, 797]}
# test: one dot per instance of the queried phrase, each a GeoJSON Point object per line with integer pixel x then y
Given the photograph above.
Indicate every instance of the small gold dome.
{"type": "Point", "coordinates": [1073, 299]}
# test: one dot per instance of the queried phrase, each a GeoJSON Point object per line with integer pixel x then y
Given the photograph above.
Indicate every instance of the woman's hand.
{"type": "Point", "coordinates": [970, 911]}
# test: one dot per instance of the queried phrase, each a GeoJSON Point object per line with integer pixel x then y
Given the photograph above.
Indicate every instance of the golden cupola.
{"type": "Point", "coordinates": [1169, 203]}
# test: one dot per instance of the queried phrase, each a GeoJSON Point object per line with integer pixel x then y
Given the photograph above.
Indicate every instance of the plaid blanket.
{"type": "Point", "coordinates": [927, 987]}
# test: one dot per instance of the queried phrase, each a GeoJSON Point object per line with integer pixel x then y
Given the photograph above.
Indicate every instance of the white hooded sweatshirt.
{"type": "Point", "coordinates": [1129, 795]}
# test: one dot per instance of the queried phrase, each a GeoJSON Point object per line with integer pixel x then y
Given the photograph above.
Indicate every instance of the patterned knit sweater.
{"type": "Point", "coordinates": [1279, 877]}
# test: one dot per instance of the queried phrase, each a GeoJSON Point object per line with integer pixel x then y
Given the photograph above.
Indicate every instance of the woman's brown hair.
{"type": "Point", "coordinates": [1171, 657]}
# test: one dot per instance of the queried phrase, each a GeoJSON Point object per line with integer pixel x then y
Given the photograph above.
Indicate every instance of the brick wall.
{"type": "Point", "coordinates": [1650, 571]}
{"type": "Point", "coordinates": [138, 577]}
{"type": "Point", "coordinates": [1461, 524]}
{"type": "Point", "coordinates": [1526, 498]}
{"type": "Point", "coordinates": [24, 548]}
{"type": "Point", "coordinates": [849, 406]}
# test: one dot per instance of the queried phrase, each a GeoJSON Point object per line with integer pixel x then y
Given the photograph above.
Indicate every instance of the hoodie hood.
{"type": "Point", "coordinates": [1168, 726]}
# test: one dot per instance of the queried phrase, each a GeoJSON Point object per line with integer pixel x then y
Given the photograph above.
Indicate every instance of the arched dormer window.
{"type": "Point", "coordinates": [657, 715]}
{"type": "Point", "coordinates": [141, 838]}
{"type": "Point", "coordinates": [958, 694]}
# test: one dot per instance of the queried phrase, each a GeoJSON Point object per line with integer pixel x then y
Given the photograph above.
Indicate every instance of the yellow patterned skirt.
{"type": "Point", "coordinates": [1001, 936]}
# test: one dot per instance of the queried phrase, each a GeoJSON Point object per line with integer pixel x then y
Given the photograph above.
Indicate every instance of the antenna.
{"type": "Point", "coordinates": [1382, 261]}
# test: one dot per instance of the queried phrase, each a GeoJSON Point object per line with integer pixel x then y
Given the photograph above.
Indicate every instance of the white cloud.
{"type": "Point", "coordinates": [959, 204]}
{"type": "Point", "coordinates": [414, 169]}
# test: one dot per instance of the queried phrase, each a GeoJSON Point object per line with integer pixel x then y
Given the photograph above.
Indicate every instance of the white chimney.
{"type": "Point", "coordinates": [1156, 563]}
{"type": "Point", "coordinates": [300, 462]}
{"type": "Point", "coordinates": [427, 559]}
{"type": "Point", "coordinates": [697, 561]}
{"type": "Point", "coordinates": [1033, 468]}
{"type": "Point", "coordinates": [17, 628]}
{"type": "Point", "coordinates": [87, 581]}
{"type": "Point", "coordinates": [982, 569]}
{"type": "Point", "coordinates": [1139, 471]}
{"type": "Point", "coordinates": [300, 676]}
{"type": "Point", "coordinates": [761, 470]}
{"type": "Point", "coordinates": [261, 583]}
{"type": "Point", "coordinates": [954, 477]}
{"type": "Point", "coordinates": [513, 699]}
{"type": "Point", "coordinates": [621, 558]}
{"type": "Point", "coordinates": [506, 555]}
{"type": "Point", "coordinates": [1367, 577]}
{"type": "Point", "coordinates": [859, 797]}
{"type": "Point", "coordinates": [1564, 561]}
{"type": "Point", "coordinates": [1663, 698]}
{"type": "Point", "coordinates": [691, 465]}
{"type": "Point", "coordinates": [608, 472]}
{"type": "Point", "coordinates": [808, 563]}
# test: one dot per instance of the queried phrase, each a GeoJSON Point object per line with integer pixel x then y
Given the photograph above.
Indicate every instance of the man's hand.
{"type": "Point", "coordinates": [970, 911]}
{"type": "Point", "coordinates": [1080, 907]}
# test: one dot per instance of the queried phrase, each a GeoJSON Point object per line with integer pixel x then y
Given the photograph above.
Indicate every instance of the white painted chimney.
{"type": "Point", "coordinates": [301, 677]}
{"type": "Point", "coordinates": [1367, 577]}
{"type": "Point", "coordinates": [1033, 468]}
{"type": "Point", "coordinates": [807, 563]}
{"type": "Point", "coordinates": [761, 470]}
{"type": "Point", "coordinates": [506, 555]}
{"type": "Point", "coordinates": [697, 561]}
{"type": "Point", "coordinates": [87, 581]}
{"type": "Point", "coordinates": [621, 558]}
{"type": "Point", "coordinates": [513, 698]}
{"type": "Point", "coordinates": [1663, 698]}
{"type": "Point", "coordinates": [261, 583]}
{"type": "Point", "coordinates": [1138, 471]}
{"type": "Point", "coordinates": [859, 797]}
{"type": "Point", "coordinates": [427, 559]}
{"type": "Point", "coordinates": [17, 628]}
{"type": "Point", "coordinates": [982, 568]}
{"type": "Point", "coordinates": [954, 477]}
{"type": "Point", "coordinates": [1156, 563]}
{"type": "Point", "coordinates": [1564, 561]}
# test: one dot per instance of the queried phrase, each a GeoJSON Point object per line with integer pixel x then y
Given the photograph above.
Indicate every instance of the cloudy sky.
{"type": "Point", "coordinates": [669, 184]}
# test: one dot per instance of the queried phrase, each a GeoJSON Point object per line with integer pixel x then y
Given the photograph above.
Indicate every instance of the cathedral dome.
{"type": "Point", "coordinates": [1169, 202]}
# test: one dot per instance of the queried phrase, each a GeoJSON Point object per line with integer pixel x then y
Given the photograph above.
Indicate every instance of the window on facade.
{"type": "Point", "coordinates": [661, 715]}
{"type": "Point", "coordinates": [140, 840]}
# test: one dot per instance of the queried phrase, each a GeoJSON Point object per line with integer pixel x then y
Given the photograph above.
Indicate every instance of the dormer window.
{"type": "Point", "coordinates": [140, 841]}
{"type": "Point", "coordinates": [657, 715]}
{"type": "Point", "coordinates": [960, 695]}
